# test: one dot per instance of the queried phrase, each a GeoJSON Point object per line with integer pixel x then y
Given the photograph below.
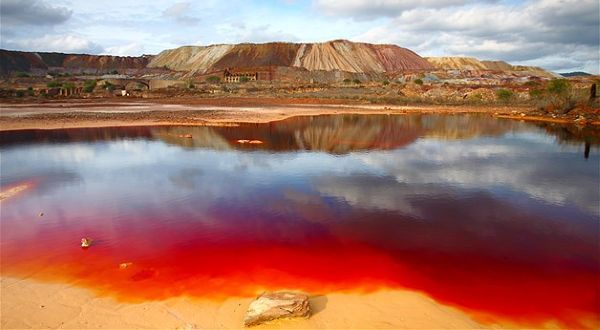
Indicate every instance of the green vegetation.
{"type": "Point", "coordinates": [213, 79]}
{"type": "Point", "coordinates": [418, 81]}
{"type": "Point", "coordinates": [347, 81]}
{"type": "Point", "coordinates": [89, 85]}
{"type": "Point", "coordinates": [114, 72]}
{"type": "Point", "coordinates": [386, 82]}
{"type": "Point", "coordinates": [19, 93]}
{"type": "Point", "coordinates": [536, 93]}
{"type": "Point", "coordinates": [53, 84]}
{"type": "Point", "coordinates": [560, 95]}
{"type": "Point", "coordinates": [21, 74]}
{"type": "Point", "coordinates": [30, 91]}
{"type": "Point", "coordinates": [68, 85]}
{"type": "Point", "coordinates": [559, 87]}
{"type": "Point", "coordinates": [356, 81]}
{"type": "Point", "coordinates": [244, 79]}
{"type": "Point", "coordinates": [108, 86]}
{"type": "Point", "coordinates": [504, 95]}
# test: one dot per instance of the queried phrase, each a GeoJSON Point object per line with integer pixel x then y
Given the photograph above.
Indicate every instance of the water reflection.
{"type": "Point", "coordinates": [497, 217]}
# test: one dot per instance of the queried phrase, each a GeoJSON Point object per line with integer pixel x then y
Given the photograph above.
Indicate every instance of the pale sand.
{"type": "Point", "coordinates": [72, 115]}
{"type": "Point", "coordinates": [30, 304]}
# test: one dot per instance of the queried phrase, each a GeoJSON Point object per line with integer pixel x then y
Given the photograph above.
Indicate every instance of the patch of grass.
{"type": "Point", "coordinates": [504, 95]}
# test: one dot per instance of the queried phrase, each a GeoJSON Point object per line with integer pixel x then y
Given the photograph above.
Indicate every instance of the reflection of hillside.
{"type": "Point", "coordinates": [191, 137]}
{"type": "Point", "coordinates": [342, 134]}
{"type": "Point", "coordinates": [451, 127]}
{"type": "Point", "coordinates": [572, 134]}
{"type": "Point", "coordinates": [329, 133]}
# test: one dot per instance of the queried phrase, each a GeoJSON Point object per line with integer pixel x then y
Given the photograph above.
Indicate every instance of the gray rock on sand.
{"type": "Point", "coordinates": [275, 305]}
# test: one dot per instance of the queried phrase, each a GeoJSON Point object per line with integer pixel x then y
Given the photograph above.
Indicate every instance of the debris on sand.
{"type": "Point", "coordinates": [250, 141]}
{"type": "Point", "coordinates": [125, 265]}
{"type": "Point", "coordinates": [13, 191]}
{"type": "Point", "coordinates": [86, 242]}
{"type": "Point", "coordinates": [277, 305]}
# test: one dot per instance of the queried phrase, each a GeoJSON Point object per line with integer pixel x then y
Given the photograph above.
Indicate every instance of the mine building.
{"type": "Point", "coordinates": [234, 75]}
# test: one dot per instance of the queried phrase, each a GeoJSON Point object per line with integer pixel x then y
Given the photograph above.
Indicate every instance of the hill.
{"type": "Point", "coordinates": [473, 64]}
{"type": "Point", "coordinates": [575, 74]}
{"type": "Point", "coordinates": [342, 55]}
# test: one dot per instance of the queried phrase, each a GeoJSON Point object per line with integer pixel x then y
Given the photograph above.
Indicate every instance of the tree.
{"type": "Point", "coordinates": [68, 85]}
{"type": "Point", "coordinates": [53, 84]}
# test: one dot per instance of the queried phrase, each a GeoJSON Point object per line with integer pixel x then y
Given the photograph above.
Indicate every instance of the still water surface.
{"type": "Point", "coordinates": [499, 218]}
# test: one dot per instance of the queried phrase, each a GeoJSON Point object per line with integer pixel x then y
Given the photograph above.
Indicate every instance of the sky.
{"type": "Point", "coordinates": [558, 35]}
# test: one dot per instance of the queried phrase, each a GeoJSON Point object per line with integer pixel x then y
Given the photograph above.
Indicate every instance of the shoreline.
{"type": "Point", "coordinates": [217, 112]}
{"type": "Point", "coordinates": [29, 303]}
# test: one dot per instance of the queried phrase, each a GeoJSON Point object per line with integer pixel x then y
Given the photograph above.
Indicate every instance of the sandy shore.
{"type": "Point", "coordinates": [29, 304]}
{"type": "Point", "coordinates": [104, 113]}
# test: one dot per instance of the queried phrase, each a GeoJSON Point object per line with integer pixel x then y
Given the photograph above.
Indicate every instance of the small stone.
{"type": "Point", "coordinates": [125, 265]}
{"type": "Point", "coordinates": [86, 242]}
{"type": "Point", "coordinates": [276, 305]}
{"type": "Point", "coordinates": [41, 214]}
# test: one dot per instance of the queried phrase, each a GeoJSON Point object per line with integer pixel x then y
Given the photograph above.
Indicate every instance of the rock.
{"type": "Point", "coordinates": [276, 305]}
{"type": "Point", "coordinates": [86, 242]}
{"type": "Point", "coordinates": [125, 265]}
{"type": "Point", "coordinates": [41, 214]}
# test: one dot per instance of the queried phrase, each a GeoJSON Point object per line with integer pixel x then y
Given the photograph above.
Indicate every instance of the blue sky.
{"type": "Point", "coordinates": [560, 35]}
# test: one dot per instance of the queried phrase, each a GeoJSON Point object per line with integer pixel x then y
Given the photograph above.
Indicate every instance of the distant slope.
{"type": "Point", "coordinates": [13, 61]}
{"type": "Point", "coordinates": [575, 74]}
{"type": "Point", "coordinates": [473, 64]}
{"type": "Point", "coordinates": [456, 63]}
{"type": "Point", "coordinates": [340, 55]}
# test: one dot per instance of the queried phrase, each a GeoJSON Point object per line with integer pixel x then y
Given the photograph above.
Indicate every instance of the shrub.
{"type": "Point", "coordinates": [347, 81]}
{"type": "Point", "coordinates": [213, 79]}
{"type": "Point", "coordinates": [20, 93]}
{"type": "Point", "coordinates": [559, 87]}
{"type": "Point", "coordinates": [386, 82]}
{"type": "Point", "coordinates": [561, 96]}
{"type": "Point", "coordinates": [504, 95]}
{"type": "Point", "coordinates": [68, 85]}
{"type": "Point", "coordinates": [356, 81]}
{"type": "Point", "coordinates": [418, 81]}
{"type": "Point", "coordinates": [108, 86]}
{"type": "Point", "coordinates": [53, 84]}
{"type": "Point", "coordinates": [536, 93]}
{"type": "Point", "coordinates": [30, 91]}
{"type": "Point", "coordinates": [244, 79]}
{"type": "Point", "coordinates": [89, 85]}
{"type": "Point", "coordinates": [21, 74]}
{"type": "Point", "coordinates": [114, 72]}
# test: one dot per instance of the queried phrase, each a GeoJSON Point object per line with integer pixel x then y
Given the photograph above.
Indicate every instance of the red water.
{"type": "Point", "coordinates": [522, 273]}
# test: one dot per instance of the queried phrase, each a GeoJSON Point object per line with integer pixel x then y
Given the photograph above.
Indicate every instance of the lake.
{"type": "Point", "coordinates": [499, 218]}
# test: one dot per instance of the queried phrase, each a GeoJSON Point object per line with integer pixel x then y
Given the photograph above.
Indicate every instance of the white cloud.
{"type": "Point", "coordinates": [55, 43]}
{"type": "Point", "coordinates": [180, 12]}
{"type": "Point", "coordinates": [125, 50]}
{"type": "Point", "coordinates": [366, 9]}
{"type": "Point", "coordinates": [548, 29]}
